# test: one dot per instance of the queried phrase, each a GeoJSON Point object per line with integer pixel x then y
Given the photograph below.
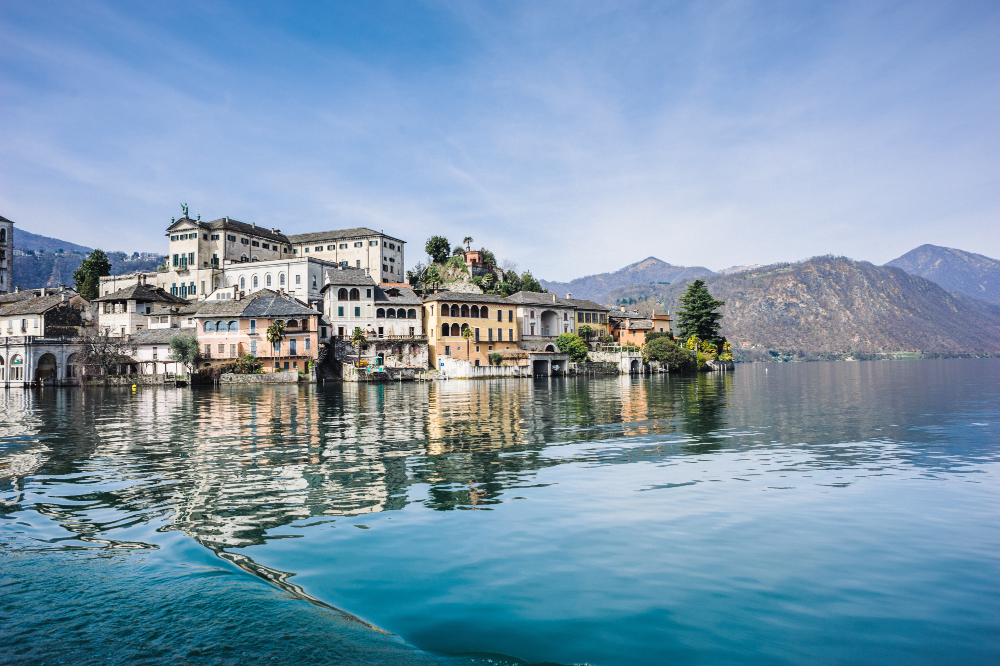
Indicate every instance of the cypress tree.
{"type": "Point", "coordinates": [87, 276]}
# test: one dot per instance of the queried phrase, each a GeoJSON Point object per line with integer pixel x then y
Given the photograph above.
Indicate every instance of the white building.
{"type": "Point", "coordinates": [542, 318]}
{"type": "Point", "coordinates": [355, 248]}
{"type": "Point", "coordinates": [351, 299]}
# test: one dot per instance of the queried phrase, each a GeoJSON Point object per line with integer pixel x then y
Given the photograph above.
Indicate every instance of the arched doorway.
{"type": "Point", "coordinates": [635, 368]}
{"type": "Point", "coordinates": [550, 348]}
{"type": "Point", "coordinates": [74, 365]}
{"type": "Point", "coordinates": [45, 372]}
{"type": "Point", "coordinates": [550, 323]}
{"type": "Point", "coordinates": [3, 370]}
{"type": "Point", "coordinates": [16, 370]}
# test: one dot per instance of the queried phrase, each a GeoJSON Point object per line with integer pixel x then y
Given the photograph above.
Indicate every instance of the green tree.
{"type": "Point", "coordinates": [437, 248]}
{"type": "Point", "coordinates": [458, 251]}
{"type": "Point", "coordinates": [570, 343]}
{"type": "Point", "coordinates": [667, 352]}
{"type": "Point", "coordinates": [467, 335]}
{"type": "Point", "coordinates": [185, 349]}
{"type": "Point", "coordinates": [586, 332]}
{"type": "Point", "coordinates": [88, 276]}
{"type": "Point", "coordinates": [432, 277]}
{"type": "Point", "coordinates": [529, 283]}
{"type": "Point", "coordinates": [487, 257]}
{"type": "Point", "coordinates": [698, 316]}
{"type": "Point", "coordinates": [359, 340]}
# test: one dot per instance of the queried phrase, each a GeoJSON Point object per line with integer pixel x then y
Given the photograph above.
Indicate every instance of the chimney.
{"type": "Point", "coordinates": [17, 290]}
{"type": "Point", "coordinates": [569, 295]}
{"type": "Point", "coordinates": [623, 308]}
{"type": "Point", "coordinates": [368, 271]}
{"type": "Point", "coordinates": [63, 298]}
{"type": "Point", "coordinates": [553, 298]}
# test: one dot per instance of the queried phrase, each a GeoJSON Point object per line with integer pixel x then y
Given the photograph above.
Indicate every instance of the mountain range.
{"type": "Point", "coordinates": [649, 270]}
{"type": "Point", "coordinates": [965, 272]}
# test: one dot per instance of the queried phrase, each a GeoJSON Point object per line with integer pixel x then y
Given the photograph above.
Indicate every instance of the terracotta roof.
{"type": "Point", "coordinates": [462, 297]}
{"type": "Point", "coordinates": [337, 234]}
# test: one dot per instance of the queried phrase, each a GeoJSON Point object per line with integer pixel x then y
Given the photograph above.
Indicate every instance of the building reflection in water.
{"type": "Point", "coordinates": [230, 464]}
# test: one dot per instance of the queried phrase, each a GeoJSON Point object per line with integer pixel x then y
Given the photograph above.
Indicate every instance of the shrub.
{"type": "Point", "coordinates": [668, 353]}
{"type": "Point", "coordinates": [570, 343]}
{"type": "Point", "coordinates": [496, 359]}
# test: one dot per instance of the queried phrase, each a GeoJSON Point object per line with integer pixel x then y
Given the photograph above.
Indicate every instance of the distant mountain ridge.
{"type": "Point", "coordinates": [650, 269]}
{"type": "Point", "coordinates": [25, 240]}
{"type": "Point", "coordinates": [965, 272]}
{"type": "Point", "coordinates": [830, 307]}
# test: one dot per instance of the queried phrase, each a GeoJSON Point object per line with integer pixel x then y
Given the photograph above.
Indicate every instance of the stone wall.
{"type": "Point", "coordinates": [129, 380]}
{"type": "Point", "coordinates": [625, 360]}
{"type": "Point", "coordinates": [594, 368]}
{"type": "Point", "coordinates": [287, 377]}
{"type": "Point", "coordinates": [397, 353]}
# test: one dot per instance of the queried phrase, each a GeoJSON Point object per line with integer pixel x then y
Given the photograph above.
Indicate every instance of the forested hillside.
{"type": "Point", "coordinates": [833, 306]}
{"type": "Point", "coordinates": [50, 269]}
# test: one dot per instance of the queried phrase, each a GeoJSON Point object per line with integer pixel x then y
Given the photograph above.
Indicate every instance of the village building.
{"type": "Point", "coordinates": [231, 328]}
{"type": "Point", "coordinates": [152, 351]}
{"type": "Point", "coordinates": [542, 318]}
{"type": "Point", "coordinates": [631, 327]}
{"type": "Point", "coordinates": [358, 248]}
{"type": "Point", "coordinates": [40, 335]}
{"type": "Point", "coordinates": [594, 315]}
{"type": "Point", "coordinates": [6, 255]}
{"type": "Point", "coordinates": [490, 318]}
{"type": "Point", "coordinates": [128, 310]}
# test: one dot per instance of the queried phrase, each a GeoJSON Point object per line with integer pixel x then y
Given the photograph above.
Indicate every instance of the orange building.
{"type": "Point", "coordinates": [490, 318]}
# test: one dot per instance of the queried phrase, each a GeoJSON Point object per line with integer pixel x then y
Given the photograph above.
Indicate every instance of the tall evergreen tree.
{"type": "Point", "coordinates": [697, 315]}
{"type": "Point", "coordinates": [87, 276]}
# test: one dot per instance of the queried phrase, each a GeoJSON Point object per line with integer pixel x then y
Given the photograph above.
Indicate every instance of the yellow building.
{"type": "Point", "coordinates": [594, 315]}
{"type": "Point", "coordinates": [491, 319]}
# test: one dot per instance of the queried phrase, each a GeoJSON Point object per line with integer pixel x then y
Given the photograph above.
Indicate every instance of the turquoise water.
{"type": "Point", "coordinates": [795, 513]}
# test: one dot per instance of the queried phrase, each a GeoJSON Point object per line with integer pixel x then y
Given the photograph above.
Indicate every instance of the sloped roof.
{"type": "Point", "coordinates": [347, 277]}
{"type": "Point", "coordinates": [144, 293]}
{"type": "Point", "coordinates": [233, 225]}
{"type": "Point", "coordinates": [406, 296]}
{"type": "Point", "coordinates": [618, 314]}
{"type": "Point", "coordinates": [37, 305]}
{"type": "Point", "coordinates": [336, 234]}
{"type": "Point", "coordinates": [276, 306]}
{"type": "Point", "coordinates": [186, 308]}
{"type": "Point", "coordinates": [536, 298]}
{"type": "Point", "coordinates": [463, 297]}
{"type": "Point", "coordinates": [4, 219]}
{"type": "Point", "coordinates": [583, 304]}
{"type": "Point", "coordinates": [15, 296]}
{"type": "Point", "coordinates": [158, 336]}
{"type": "Point", "coordinates": [227, 307]}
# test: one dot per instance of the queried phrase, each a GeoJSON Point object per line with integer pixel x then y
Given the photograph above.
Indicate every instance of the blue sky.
{"type": "Point", "coordinates": [572, 138]}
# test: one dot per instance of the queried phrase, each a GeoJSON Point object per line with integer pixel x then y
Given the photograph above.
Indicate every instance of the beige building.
{"type": "Point", "coordinates": [355, 248]}
{"type": "Point", "coordinates": [128, 310]}
{"type": "Point", "coordinates": [542, 318]}
{"type": "Point", "coordinates": [490, 318]}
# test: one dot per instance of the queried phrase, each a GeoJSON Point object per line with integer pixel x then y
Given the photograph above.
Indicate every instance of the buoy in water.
{"type": "Point", "coordinates": [133, 387]}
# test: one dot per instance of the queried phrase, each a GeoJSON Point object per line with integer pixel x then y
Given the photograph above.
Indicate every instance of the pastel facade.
{"type": "Point", "coordinates": [542, 318]}
{"type": "Point", "coordinates": [39, 332]}
{"type": "Point", "coordinates": [492, 320]}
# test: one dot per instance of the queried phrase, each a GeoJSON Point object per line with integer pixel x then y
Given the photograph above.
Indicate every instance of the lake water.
{"type": "Point", "coordinates": [843, 513]}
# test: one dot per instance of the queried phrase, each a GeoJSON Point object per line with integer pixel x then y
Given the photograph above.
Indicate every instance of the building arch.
{"type": "Point", "coordinates": [391, 313]}
{"type": "Point", "coordinates": [475, 311]}
{"type": "Point", "coordinates": [3, 369]}
{"type": "Point", "coordinates": [234, 326]}
{"type": "Point", "coordinates": [400, 313]}
{"type": "Point", "coordinates": [550, 348]}
{"type": "Point", "coordinates": [46, 369]}
{"type": "Point", "coordinates": [341, 294]}
{"type": "Point", "coordinates": [244, 258]}
{"type": "Point", "coordinates": [208, 326]}
{"type": "Point", "coordinates": [465, 311]}
{"type": "Point", "coordinates": [380, 313]}
{"type": "Point", "coordinates": [445, 330]}
{"type": "Point", "coordinates": [484, 312]}
{"type": "Point", "coordinates": [15, 371]}
{"type": "Point", "coordinates": [455, 331]}
{"type": "Point", "coordinates": [355, 295]}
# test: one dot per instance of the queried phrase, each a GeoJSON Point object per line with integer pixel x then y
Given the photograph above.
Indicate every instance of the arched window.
{"type": "Point", "coordinates": [292, 323]}
{"type": "Point", "coordinates": [465, 310]}
{"type": "Point", "coordinates": [391, 314]}
{"type": "Point", "coordinates": [243, 283]}
{"type": "Point", "coordinates": [305, 324]}
{"type": "Point", "coordinates": [475, 311]}
{"type": "Point", "coordinates": [3, 235]}
{"type": "Point", "coordinates": [444, 310]}
{"type": "Point", "coordinates": [445, 330]}
{"type": "Point", "coordinates": [400, 313]}
{"type": "Point", "coordinates": [234, 326]}
{"type": "Point", "coordinates": [254, 281]}
{"type": "Point", "coordinates": [209, 326]}
{"type": "Point", "coordinates": [355, 295]}
{"type": "Point", "coordinates": [220, 326]}
{"type": "Point", "coordinates": [281, 279]}
{"type": "Point", "coordinates": [255, 259]}
{"type": "Point", "coordinates": [244, 258]}
{"type": "Point", "coordinates": [380, 313]}
{"type": "Point", "coordinates": [341, 294]}
{"type": "Point", "coordinates": [465, 326]}
{"type": "Point", "coordinates": [455, 330]}
{"type": "Point", "coordinates": [484, 312]}
{"type": "Point", "coordinates": [267, 280]}
{"type": "Point", "coordinates": [411, 314]}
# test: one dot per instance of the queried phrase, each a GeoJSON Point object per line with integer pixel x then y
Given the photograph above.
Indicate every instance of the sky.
{"type": "Point", "coordinates": [570, 137]}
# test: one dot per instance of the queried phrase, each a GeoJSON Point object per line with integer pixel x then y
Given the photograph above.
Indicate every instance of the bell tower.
{"type": "Point", "coordinates": [6, 255]}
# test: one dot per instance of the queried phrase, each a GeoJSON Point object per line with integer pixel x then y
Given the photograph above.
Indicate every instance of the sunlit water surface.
{"type": "Point", "coordinates": [802, 513]}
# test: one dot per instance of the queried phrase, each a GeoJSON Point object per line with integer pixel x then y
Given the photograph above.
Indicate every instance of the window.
{"type": "Point", "coordinates": [230, 238]}
{"type": "Point", "coordinates": [298, 279]}
{"type": "Point", "coordinates": [281, 279]}
{"type": "Point", "coordinates": [319, 248]}
{"type": "Point", "coordinates": [253, 347]}
{"type": "Point", "coordinates": [307, 344]}
{"type": "Point", "coordinates": [314, 281]}
{"type": "Point", "coordinates": [232, 351]}
{"type": "Point", "coordinates": [173, 238]}
{"type": "Point", "coordinates": [411, 314]}
{"type": "Point", "coordinates": [215, 237]}
{"type": "Point", "coordinates": [476, 334]}
{"type": "Point", "coordinates": [292, 351]}
{"type": "Point", "coordinates": [532, 314]}
{"type": "Point", "coordinates": [234, 326]}
{"type": "Point", "coordinates": [579, 316]}
{"type": "Point", "coordinates": [380, 313]}
{"type": "Point", "coordinates": [340, 311]}
{"type": "Point", "coordinates": [222, 349]}
{"type": "Point", "coordinates": [489, 334]}
{"type": "Point", "coordinates": [373, 243]}
{"type": "Point", "coordinates": [368, 294]}
{"type": "Point", "coordinates": [341, 294]}
{"type": "Point", "coordinates": [447, 350]}
{"type": "Point", "coordinates": [254, 281]}
{"type": "Point", "coordinates": [475, 311]}
{"type": "Point", "coordinates": [343, 246]}
{"type": "Point", "coordinates": [306, 250]}
{"type": "Point", "coordinates": [255, 243]}
{"type": "Point", "coordinates": [175, 261]}
{"type": "Point", "coordinates": [510, 315]}
{"type": "Point", "coordinates": [266, 246]}
{"type": "Point", "coordinates": [385, 269]}
{"type": "Point", "coordinates": [267, 280]}
{"type": "Point", "coordinates": [357, 312]}
{"type": "Point", "coordinates": [191, 290]}
{"type": "Point", "coordinates": [208, 351]}
{"type": "Point", "coordinates": [243, 283]}
{"type": "Point", "coordinates": [253, 326]}
{"type": "Point", "coordinates": [358, 262]}
{"type": "Point", "coordinates": [355, 294]}
{"type": "Point", "coordinates": [359, 244]}
{"type": "Point", "coordinates": [277, 347]}
{"type": "Point", "coordinates": [565, 316]}
{"type": "Point", "coordinates": [245, 241]}
{"type": "Point", "coordinates": [477, 360]}
{"type": "Point", "coordinates": [392, 246]}
{"type": "Point", "coordinates": [401, 313]}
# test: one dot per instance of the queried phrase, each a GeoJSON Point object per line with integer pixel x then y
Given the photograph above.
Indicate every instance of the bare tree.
{"type": "Point", "coordinates": [107, 352]}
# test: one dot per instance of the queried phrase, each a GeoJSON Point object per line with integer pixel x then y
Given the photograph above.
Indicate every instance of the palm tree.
{"type": "Point", "coordinates": [359, 340]}
{"type": "Point", "coordinates": [275, 333]}
{"type": "Point", "coordinates": [468, 242]}
{"type": "Point", "coordinates": [467, 335]}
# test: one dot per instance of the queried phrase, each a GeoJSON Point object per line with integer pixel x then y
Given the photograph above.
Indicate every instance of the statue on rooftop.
{"type": "Point", "coordinates": [184, 207]}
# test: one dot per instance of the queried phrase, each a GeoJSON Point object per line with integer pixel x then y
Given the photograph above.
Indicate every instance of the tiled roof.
{"type": "Point", "coordinates": [536, 298]}
{"type": "Point", "coordinates": [353, 277]}
{"type": "Point", "coordinates": [158, 336]}
{"type": "Point", "coordinates": [234, 225]}
{"type": "Point", "coordinates": [276, 306]}
{"type": "Point", "coordinates": [618, 314]}
{"type": "Point", "coordinates": [15, 296]}
{"type": "Point", "coordinates": [37, 305]}
{"type": "Point", "coordinates": [406, 295]}
{"type": "Point", "coordinates": [582, 304]}
{"type": "Point", "coordinates": [4, 219]}
{"type": "Point", "coordinates": [229, 307]}
{"type": "Point", "coordinates": [186, 308]}
{"type": "Point", "coordinates": [336, 234]}
{"type": "Point", "coordinates": [463, 297]}
{"type": "Point", "coordinates": [144, 293]}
